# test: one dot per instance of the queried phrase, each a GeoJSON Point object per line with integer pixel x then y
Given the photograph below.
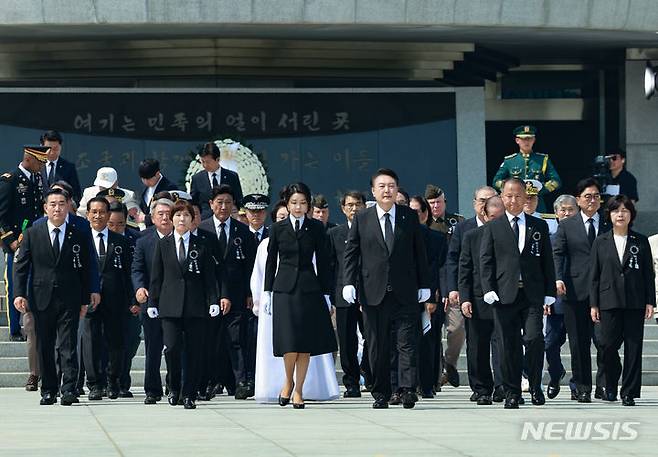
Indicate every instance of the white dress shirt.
{"type": "Point", "coordinates": [595, 217]}
{"type": "Point", "coordinates": [62, 229]}
{"type": "Point", "coordinates": [382, 219]}
{"type": "Point", "coordinates": [186, 242]}
{"type": "Point", "coordinates": [227, 227]}
{"type": "Point", "coordinates": [521, 224]}
{"type": "Point", "coordinates": [97, 239]}
{"type": "Point", "coordinates": [150, 191]}
{"type": "Point", "coordinates": [54, 162]}
{"type": "Point", "coordinates": [620, 244]}
{"type": "Point", "coordinates": [293, 219]}
{"type": "Point", "coordinates": [26, 172]}
{"type": "Point", "coordinates": [218, 176]}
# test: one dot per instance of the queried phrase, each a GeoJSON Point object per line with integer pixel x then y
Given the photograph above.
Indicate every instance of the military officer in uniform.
{"type": "Point", "coordinates": [532, 189]}
{"type": "Point", "coordinates": [527, 164]}
{"type": "Point", "coordinates": [21, 203]}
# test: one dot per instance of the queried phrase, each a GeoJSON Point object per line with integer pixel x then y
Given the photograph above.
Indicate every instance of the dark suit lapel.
{"type": "Point", "coordinates": [509, 233]}
{"type": "Point", "coordinates": [529, 228]}
{"type": "Point", "coordinates": [45, 233]}
{"type": "Point", "coordinates": [379, 236]}
{"type": "Point", "coordinates": [302, 229]}
{"type": "Point", "coordinates": [630, 241]}
{"type": "Point", "coordinates": [612, 248]}
{"type": "Point", "coordinates": [68, 239]}
{"type": "Point", "coordinates": [400, 222]}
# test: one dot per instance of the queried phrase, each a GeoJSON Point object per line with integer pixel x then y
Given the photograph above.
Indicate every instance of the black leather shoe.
{"type": "Point", "coordinates": [32, 383]}
{"type": "Point", "coordinates": [511, 403]}
{"type": "Point", "coordinates": [409, 400]}
{"type": "Point", "coordinates": [554, 386]}
{"type": "Point", "coordinates": [396, 399]}
{"type": "Point", "coordinates": [125, 393]}
{"type": "Point", "coordinates": [484, 400]}
{"type": "Point", "coordinates": [95, 394]}
{"type": "Point", "coordinates": [150, 400]}
{"type": "Point", "coordinates": [452, 375]}
{"type": "Point", "coordinates": [202, 396]}
{"type": "Point", "coordinates": [242, 391]}
{"type": "Point", "coordinates": [598, 393]}
{"type": "Point", "coordinates": [609, 395]}
{"type": "Point", "coordinates": [298, 405]}
{"type": "Point", "coordinates": [521, 401]}
{"type": "Point", "coordinates": [585, 397]}
{"type": "Point", "coordinates": [251, 389]}
{"type": "Point", "coordinates": [188, 403]}
{"type": "Point", "coordinates": [113, 393]}
{"type": "Point", "coordinates": [47, 399]}
{"type": "Point", "coordinates": [172, 398]}
{"type": "Point", "coordinates": [15, 338]}
{"type": "Point", "coordinates": [380, 403]}
{"type": "Point", "coordinates": [426, 393]}
{"type": "Point", "coordinates": [498, 395]}
{"type": "Point", "coordinates": [352, 392]}
{"type": "Point", "coordinates": [628, 401]}
{"type": "Point", "coordinates": [475, 396]}
{"type": "Point", "coordinates": [68, 399]}
{"type": "Point", "coordinates": [574, 395]}
{"type": "Point", "coordinates": [537, 397]}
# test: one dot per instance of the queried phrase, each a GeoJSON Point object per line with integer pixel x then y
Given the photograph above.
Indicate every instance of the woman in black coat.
{"type": "Point", "coordinates": [183, 291]}
{"type": "Point", "coordinates": [622, 295]}
{"type": "Point", "coordinates": [301, 319]}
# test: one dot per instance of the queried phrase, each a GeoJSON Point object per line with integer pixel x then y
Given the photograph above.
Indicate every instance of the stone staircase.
{"type": "Point", "coordinates": [14, 368]}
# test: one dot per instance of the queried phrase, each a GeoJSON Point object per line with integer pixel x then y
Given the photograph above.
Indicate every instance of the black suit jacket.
{"type": "Point", "coordinates": [436, 245]}
{"type": "Point", "coordinates": [69, 273]}
{"type": "Point", "coordinates": [201, 191]}
{"type": "Point", "coordinates": [116, 285]}
{"type": "Point", "coordinates": [629, 284]}
{"type": "Point", "coordinates": [571, 253]}
{"type": "Point", "coordinates": [187, 290]}
{"type": "Point", "coordinates": [405, 269]}
{"type": "Point", "coordinates": [337, 238]}
{"type": "Point", "coordinates": [142, 261]}
{"type": "Point", "coordinates": [236, 263]}
{"type": "Point", "coordinates": [470, 286]}
{"type": "Point", "coordinates": [294, 252]}
{"type": "Point", "coordinates": [163, 185]}
{"type": "Point", "coordinates": [65, 171]}
{"type": "Point", "coordinates": [501, 264]}
{"type": "Point", "coordinates": [454, 249]}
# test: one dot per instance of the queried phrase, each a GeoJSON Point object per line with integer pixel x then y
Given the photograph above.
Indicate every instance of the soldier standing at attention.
{"type": "Point", "coordinates": [527, 164]}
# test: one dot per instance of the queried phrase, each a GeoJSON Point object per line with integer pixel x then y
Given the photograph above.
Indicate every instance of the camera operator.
{"type": "Point", "coordinates": [620, 180]}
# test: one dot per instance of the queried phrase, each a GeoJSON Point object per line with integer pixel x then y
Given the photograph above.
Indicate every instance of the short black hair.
{"type": "Point", "coordinates": [354, 194]}
{"type": "Point", "coordinates": [585, 183]}
{"type": "Point", "coordinates": [181, 205]}
{"type": "Point", "coordinates": [221, 190]}
{"type": "Point", "coordinates": [98, 200]}
{"type": "Point", "coordinates": [51, 135]}
{"type": "Point", "coordinates": [209, 149]}
{"type": "Point", "coordinates": [424, 206]}
{"type": "Point", "coordinates": [297, 188]}
{"type": "Point", "coordinates": [405, 193]}
{"type": "Point", "coordinates": [57, 191]}
{"type": "Point", "coordinates": [277, 206]}
{"type": "Point", "coordinates": [148, 168]}
{"type": "Point", "coordinates": [615, 202]}
{"type": "Point", "coordinates": [118, 207]}
{"type": "Point", "coordinates": [64, 185]}
{"type": "Point", "coordinates": [619, 151]}
{"type": "Point", "coordinates": [386, 172]}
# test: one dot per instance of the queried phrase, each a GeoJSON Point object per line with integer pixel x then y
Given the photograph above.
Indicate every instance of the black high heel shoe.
{"type": "Point", "coordinates": [283, 401]}
{"type": "Point", "coordinates": [298, 405]}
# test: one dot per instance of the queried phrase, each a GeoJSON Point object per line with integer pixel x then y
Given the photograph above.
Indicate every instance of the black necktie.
{"type": "Point", "coordinates": [591, 233]}
{"type": "Point", "coordinates": [51, 173]}
{"type": "Point", "coordinates": [257, 237]}
{"type": "Point", "coordinates": [101, 249]}
{"type": "Point", "coordinates": [515, 228]}
{"type": "Point", "coordinates": [181, 251]}
{"type": "Point", "coordinates": [215, 183]}
{"type": "Point", "coordinates": [388, 232]}
{"type": "Point", "coordinates": [296, 225]}
{"type": "Point", "coordinates": [56, 246]}
{"type": "Point", "coordinates": [222, 238]}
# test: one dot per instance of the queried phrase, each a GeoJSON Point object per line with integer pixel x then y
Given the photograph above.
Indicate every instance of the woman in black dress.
{"type": "Point", "coordinates": [297, 295]}
{"type": "Point", "coordinates": [183, 293]}
{"type": "Point", "coordinates": [621, 297]}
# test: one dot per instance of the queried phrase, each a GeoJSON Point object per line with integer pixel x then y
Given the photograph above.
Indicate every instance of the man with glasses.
{"type": "Point", "coordinates": [571, 250]}
{"type": "Point", "coordinates": [621, 180]}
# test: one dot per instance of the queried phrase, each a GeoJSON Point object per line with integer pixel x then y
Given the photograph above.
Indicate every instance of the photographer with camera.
{"type": "Point", "coordinates": [618, 180]}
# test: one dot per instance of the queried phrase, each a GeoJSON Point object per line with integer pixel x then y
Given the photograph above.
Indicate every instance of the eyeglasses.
{"type": "Point", "coordinates": [591, 196]}
{"type": "Point", "coordinates": [615, 157]}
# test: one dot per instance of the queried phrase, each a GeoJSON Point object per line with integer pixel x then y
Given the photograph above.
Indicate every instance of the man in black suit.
{"type": "Point", "coordinates": [385, 255]}
{"type": "Point", "coordinates": [213, 175]}
{"type": "Point", "coordinates": [58, 168]}
{"type": "Point", "coordinates": [141, 277]}
{"type": "Point", "coordinates": [236, 254]}
{"type": "Point", "coordinates": [154, 181]}
{"type": "Point", "coordinates": [320, 211]}
{"type": "Point", "coordinates": [55, 258]}
{"type": "Point", "coordinates": [478, 313]}
{"type": "Point", "coordinates": [348, 315]}
{"type": "Point", "coordinates": [106, 321]}
{"type": "Point", "coordinates": [573, 242]}
{"type": "Point", "coordinates": [518, 278]}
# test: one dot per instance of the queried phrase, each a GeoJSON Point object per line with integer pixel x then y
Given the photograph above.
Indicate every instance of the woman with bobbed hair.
{"type": "Point", "coordinates": [622, 295]}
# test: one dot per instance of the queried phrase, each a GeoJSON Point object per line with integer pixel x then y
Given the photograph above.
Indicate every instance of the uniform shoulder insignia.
{"type": "Point", "coordinates": [510, 156]}
{"type": "Point", "coordinates": [6, 175]}
{"type": "Point", "coordinates": [541, 154]}
{"type": "Point", "coordinates": [548, 216]}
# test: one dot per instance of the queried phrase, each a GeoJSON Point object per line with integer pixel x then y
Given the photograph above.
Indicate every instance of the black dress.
{"type": "Point", "coordinates": [301, 321]}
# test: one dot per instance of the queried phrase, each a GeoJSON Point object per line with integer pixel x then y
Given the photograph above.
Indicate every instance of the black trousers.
{"type": "Point", "coordinates": [582, 331]}
{"type": "Point", "coordinates": [378, 322]}
{"type": "Point", "coordinates": [479, 347]}
{"type": "Point", "coordinates": [184, 334]}
{"type": "Point", "coordinates": [347, 322]}
{"type": "Point", "coordinates": [438, 318]}
{"type": "Point", "coordinates": [153, 346]}
{"type": "Point", "coordinates": [622, 326]}
{"type": "Point", "coordinates": [511, 320]}
{"type": "Point", "coordinates": [104, 325]}
{"type": "Point", "coordinates": [251, 335]}
{"type": "Point", "coordinates": [131, 330]}
{"type": "Point", "coordinates": [234, 331]}
{"type": "Point", "coordinates": [208, 372]}
{"type": "Point", "coordinates": [57, 326]}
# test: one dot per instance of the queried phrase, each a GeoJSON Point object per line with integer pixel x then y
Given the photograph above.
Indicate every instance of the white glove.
{"type": "Point", "coordinates": [349, 294]}
{"type": "Point", "coordinates": [266, 300]}
{"type": "Point", "coordinates": [491, 297]}
{"type": "Point", "coordinates": [423, 295]}
{"type": "Point", "coordinates": [548, 301]}
{"type": "Point", "coordinates": [152, 312]}
{"type": "Point", "coordinates": [214, 310]}
{"type": "Point", "coordinates": [328, 301]}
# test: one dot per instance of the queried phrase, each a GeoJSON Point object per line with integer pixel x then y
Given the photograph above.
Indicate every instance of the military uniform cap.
{"type": "Point", "coordinates": [255, 202]}
{"type": "Point", "coordinates": [525, 131]}
{"type": "Point", "coordinates": [38, 152]}
{"type": "Point", "coordinates": [532, 187]}
{"type": "Point", "coordinates": [180, 195]}
{"type": "Point", "coordinates": [116, 194]}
